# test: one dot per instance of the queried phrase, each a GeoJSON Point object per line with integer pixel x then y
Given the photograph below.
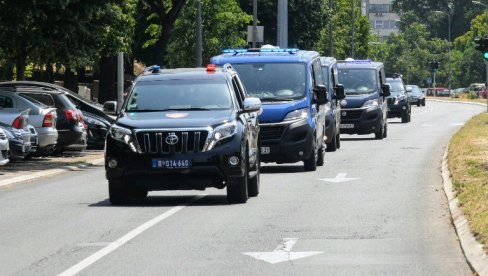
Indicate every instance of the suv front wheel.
{"type": "Point", "coordinates": [237, 187]}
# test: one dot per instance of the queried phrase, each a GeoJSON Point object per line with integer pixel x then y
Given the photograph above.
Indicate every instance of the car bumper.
{"type": "Point", "coordinates": [361, 120]}
{"type": "Point", "coordinates": [396, 111]}
{"type": "Point", "coordinates": [208, 169]}
{"type": "Point", "coordinates": [286, 142]}
{"type": "Point", "coordinates": [48, 137]}
{"type": "Point", "coordinates": [69, 136]}
{"type": "Point", "coordinates": [78, 145]}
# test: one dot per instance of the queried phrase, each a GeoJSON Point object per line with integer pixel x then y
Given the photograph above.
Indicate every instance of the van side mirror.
{"type": "Point", "coordinates": [386, 90]}
{"type": "Point", "coordinates": [110, 107]}
{"type": "Point", "coordinates": [252, 104]}
{"type": "Point", "coordinates": [339, 92]}
{"type": "Point", "coordinates": [320, 92]}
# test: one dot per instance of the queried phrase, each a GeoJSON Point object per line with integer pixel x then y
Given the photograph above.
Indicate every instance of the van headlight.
{"type": "Point", "coordinates": [220, 133]}
{"type": "Point", "coordinates": [297, 114]}
{"type": "Point", "coordinates": [123, 135]}
{"type": "Point", "coordinates": [371, 103]}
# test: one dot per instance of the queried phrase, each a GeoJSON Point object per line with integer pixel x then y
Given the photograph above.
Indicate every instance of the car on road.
{"type": "Point", "coordinates": [416, 95]}
{"type": "Point", "coordinates": [399, 104]}
{"type": "Point", "coordinates": [184, 129]}
{"type": "Point", "coordinates": [42, 117]}
{"type": "Point", "coordinates": [438, 92]}
{"type": "Point", "coordinates": [364, 110]}
{"type": "Point", "coordinates": [70, 126]}
{"type": "Point", "coordinates": [333, 107]}
{"type": "Point", "coordinates": [290, 84]}
{"type": "Point", "coordinates": [4, 148]}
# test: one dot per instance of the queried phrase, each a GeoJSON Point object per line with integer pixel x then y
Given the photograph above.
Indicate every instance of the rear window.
{"type": "Point", "coordinates": [45, 99]}
{"type": "Point", "coordinates": [32, 100]}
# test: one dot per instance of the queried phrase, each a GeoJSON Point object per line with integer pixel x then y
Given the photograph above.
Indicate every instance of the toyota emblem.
{"type": "Point", "coordinates": [171, 139]}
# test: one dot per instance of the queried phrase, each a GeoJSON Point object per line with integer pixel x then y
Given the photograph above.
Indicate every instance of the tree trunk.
{"type": "Point", "coordinates": [108, 79]}
{"type": "Point", "coordinates": [70, 80]}
{"type": "Point", "coordinates": [50, 73]}
{"type": "Point", "coordinates": [20, 66]}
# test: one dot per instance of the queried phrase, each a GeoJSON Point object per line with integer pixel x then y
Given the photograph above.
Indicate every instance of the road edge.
{"type": "Point", "coordinates": [48, 173]}
{"type": "Point", "coordinates": [472, 249]}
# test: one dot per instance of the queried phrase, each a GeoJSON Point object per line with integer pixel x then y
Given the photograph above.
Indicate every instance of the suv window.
{"type": "Point", "coordinates": [180, 95]}
{"type": "Point", "coordinates": [397, 86]}
{"type": "Point", "coordinates": [6, 102]}
{"type": "Point", "coordinates": [273, 81]}
{"type": "Point", "coordinates": [43, 98]}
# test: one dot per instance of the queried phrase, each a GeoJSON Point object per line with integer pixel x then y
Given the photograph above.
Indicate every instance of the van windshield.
{"type": "Point", "coordinates": [358, 81]}
{"type": "Point", "coordinates": [273, 81]}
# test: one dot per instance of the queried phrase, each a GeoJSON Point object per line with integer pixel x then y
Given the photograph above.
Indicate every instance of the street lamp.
{"type": "Point", "coordinates": [408, 55]}
{"type": "Point", "coordinates": [449, 41]}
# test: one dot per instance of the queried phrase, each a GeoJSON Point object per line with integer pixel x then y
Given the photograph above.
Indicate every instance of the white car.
{"type": "Point", "coordinates": [4, 148]}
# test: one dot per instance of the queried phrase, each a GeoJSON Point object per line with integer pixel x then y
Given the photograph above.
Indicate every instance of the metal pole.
{"type": "Point", "coordinates": [120, 79]}
{"type": "Point", "coordinates": [408, 66]}
{"type": "Point", "coordinates": [434, 85]}
{"type": "Point", "coordinates": [199, 34]}
{"type": "Point", "coordinates": [282, 23]}
{"type": "Point", "coordinates": [254, 23]}
{"type": "Point", "coordinates": [331, 37]}
{"type": "Point", "coordinates": [449, 41]}
{"type": "Point", "coordinates": [352, 29]}
{"type": "Point", "coordinates": [486, 81]}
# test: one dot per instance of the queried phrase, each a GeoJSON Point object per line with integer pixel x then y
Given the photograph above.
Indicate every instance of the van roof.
{"type": "Point", "coordinates": [256, 56]}
{"type": "Point", "coordinates": [359, 64]}
{"type": "Point", "coordinates": [327, 61]}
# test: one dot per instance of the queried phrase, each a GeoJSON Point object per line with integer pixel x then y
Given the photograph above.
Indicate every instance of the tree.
{"type": "Point", "coordinates": [224, 26]}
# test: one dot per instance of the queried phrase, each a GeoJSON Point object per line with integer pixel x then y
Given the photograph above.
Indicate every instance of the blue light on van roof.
{"type": "Point", "coordinates": [155, 68]}
{"type": "Point", "coordinates": [234, 51]}
{"type": "Point", "coordinates": [262, 50]}
{"type": "Point", "coordinates": [359, 61]}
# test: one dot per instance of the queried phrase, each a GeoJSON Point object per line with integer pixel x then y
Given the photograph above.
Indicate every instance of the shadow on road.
{"type": "Point", "coordinates": [358, 139]}
{"type": "Point", "coordinates": [169, 201]}
{"type": "Point", "coordinates": [282, 169]}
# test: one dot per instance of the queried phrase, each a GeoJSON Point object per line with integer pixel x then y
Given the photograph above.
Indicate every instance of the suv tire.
{"type": "Point", "coordinates": [253, 183]}
{"type": "Point", "coordinates": [332, 146]}
{"type": "Point", "coordinates": [321, 154]}
{"type": "Point", "coordinates": [237, 187]}
{"type": "Point", "coordinates": [310, 164]}
{"type": "Point", "coordinates": [380, 134]}
{"type": "Point", "coordinates": [405, 117]}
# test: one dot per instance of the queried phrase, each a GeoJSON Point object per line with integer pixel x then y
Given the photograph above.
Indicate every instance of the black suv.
{"type": "Point", "coordinates": [399, 102]}
{"type": "Point", "coordinates": [70, 125]}
{"type": "Point", "coordinates": [184, 129]}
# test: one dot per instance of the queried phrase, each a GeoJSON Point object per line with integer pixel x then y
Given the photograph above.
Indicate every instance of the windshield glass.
{"type": "Point", "coordinates": [325, 75]}
{"type": "Point", "coordinates": [396, 86]}
{"type": "Point", "coordinates": [273, 81]}
{"type": "Point", "coordinates": [358, 81]}
{"type": "Point", "coordinates": [415, 89]}
{"type": "Point", "coordinates": [180, 95]}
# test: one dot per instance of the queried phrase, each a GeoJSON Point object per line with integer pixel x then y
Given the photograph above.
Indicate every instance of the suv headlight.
{"type": "Point", "coordinates": [297, 114]}
{"type": "Point", "coordinates": [399, 99]}
{"type": "Point", "coordinates": [371, 103]}
{"type": "Point", "coordinates": [123, 135]}
{"type": "Point", "coordinates": [220, 133]}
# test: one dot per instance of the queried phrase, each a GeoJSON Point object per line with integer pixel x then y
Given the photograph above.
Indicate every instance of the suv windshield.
{"type": "Point", "coordinates": [180, 95]}
{"type": "Point", "coordinates": [396, 86]}
{"type": "Point", "coordinates": [273, 81]}
{"type": "Point", "coordinates": [358, 81]}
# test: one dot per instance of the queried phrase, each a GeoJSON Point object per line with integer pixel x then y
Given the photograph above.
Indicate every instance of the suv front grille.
{"type": "Point", "coordinates": [271, 132]}
{"type": "Point", "coordinates": [390, 102]}
{"type": "Point", "coordinates": [171, 141]}
{"type": "Point", "coordinates": [351, 114]}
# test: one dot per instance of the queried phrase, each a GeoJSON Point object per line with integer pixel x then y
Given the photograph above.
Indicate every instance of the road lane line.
{"type": "Point", "coordinates": [126, 238]}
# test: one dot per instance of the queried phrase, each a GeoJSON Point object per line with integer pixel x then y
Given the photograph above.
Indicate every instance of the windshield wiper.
{"type": "Point", "coordinates": [276, 99]}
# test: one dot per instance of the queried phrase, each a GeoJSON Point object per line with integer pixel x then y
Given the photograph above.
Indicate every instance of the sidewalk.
{"type": "Point", "coordinates": [25, 170]}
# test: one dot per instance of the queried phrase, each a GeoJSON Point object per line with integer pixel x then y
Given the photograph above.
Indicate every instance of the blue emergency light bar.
{"type": "Point", "coordinates": [262, 50]}
{"type": "Point", "coordinates": [359, 61]}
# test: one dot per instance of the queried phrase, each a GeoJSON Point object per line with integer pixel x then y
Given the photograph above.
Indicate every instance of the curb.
{"type": "Point", "coordinates": [51, 172]}
{"type": "Point", "coordinates": [445, 101]}
{"type": "Point", "coordinates": [472, 249]}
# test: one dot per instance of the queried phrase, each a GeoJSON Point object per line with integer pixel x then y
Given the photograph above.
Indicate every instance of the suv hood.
{"type": "Point", "coordinates": [276, 111]}
{"type": "Point", "coordinates": [359, 100]}
{"type": "Point", "coordinates": [175, 119]}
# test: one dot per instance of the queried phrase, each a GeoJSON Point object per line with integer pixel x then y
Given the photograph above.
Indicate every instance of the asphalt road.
{"type": "Point", "coordinates": [385, 214]}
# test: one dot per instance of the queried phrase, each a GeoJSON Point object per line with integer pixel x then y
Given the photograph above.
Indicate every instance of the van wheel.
{"type": "Point", "coordinates": [338, 139]}
{"type": "Point", "coordinates": [237, 191]}
{"type": "Point", "coordinates": [418, 103]}
{"type": "Point", "coordinates": [310, 164]}
{"type": "Point", "coordinates": [405, 117]}
{"type": "Point", "coordinates": [332, 146]}
{"type": "Point", "coordinates": [253, 183]}
{"type": "Point", "coordinates": [380, 134]}
{"type": "Point", "coordinates": [385, 132]}
{"type": "Point", "coordinates": [321, 155]}
{"type": "Point", "coordinates": [423, 102]}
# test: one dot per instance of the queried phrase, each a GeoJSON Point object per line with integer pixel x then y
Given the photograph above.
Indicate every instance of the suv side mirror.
{"type": "Point", "coordinates": [252, 104]}
{"type": "Point", "coordinates": [339, 91]}
{"type": "Point", "coordinates": [110, 107]}
{"type": "Point", "coordinates": [320, 92]}
{"type": "Point", "coordinates": [386, 90]}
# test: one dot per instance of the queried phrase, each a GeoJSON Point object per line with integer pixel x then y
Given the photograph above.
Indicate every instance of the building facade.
{"type": "Point", "coordinates": [381, 17]}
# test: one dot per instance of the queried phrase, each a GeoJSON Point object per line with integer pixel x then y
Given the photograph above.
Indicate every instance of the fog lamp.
{"type": "Point", "coordinates": [233, 160]}
{"type": "Point", "coordinates": [112, 163]}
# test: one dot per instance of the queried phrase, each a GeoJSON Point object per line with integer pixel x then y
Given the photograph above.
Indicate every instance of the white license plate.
{"type": "Point", "coordinates": [347, 125]}
{"type": "Point", "coordinates": [265, 150]}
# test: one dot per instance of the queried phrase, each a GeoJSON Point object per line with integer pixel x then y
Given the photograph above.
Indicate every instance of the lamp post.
{"type": "Point", "coordinates": [486, 62]}
{"type": "Point", "coordinates": [352, 28]}
{"type": "Point", "coordinates": [449, 42]}
{"type": "Point", "coordinates": [408, 56]}
{"type": "Point", "coordinates": [199, 49]}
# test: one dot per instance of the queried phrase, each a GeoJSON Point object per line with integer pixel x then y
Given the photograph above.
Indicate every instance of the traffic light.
{"type": "Point", "coordinates": [482, 46]}
{"type": "Point", "coordinates": [434, 65]}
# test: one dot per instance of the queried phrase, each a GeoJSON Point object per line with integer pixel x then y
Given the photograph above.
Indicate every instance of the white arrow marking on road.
{"type": "Point", "coordinates": [282, 253]}
{"type": "Point", "coordinates": [426, 125]}
{"type": "Point", "coordinates": [341, 177]}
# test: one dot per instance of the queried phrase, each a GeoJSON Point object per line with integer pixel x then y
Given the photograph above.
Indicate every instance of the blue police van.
{"type": "Point", "coordinates": [290, 84]}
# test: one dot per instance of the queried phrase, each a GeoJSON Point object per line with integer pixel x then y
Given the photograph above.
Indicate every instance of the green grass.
{"type": "Point", "coordinates": [468, 163]}
{"type": "Point", "coordinates": [462, 99]}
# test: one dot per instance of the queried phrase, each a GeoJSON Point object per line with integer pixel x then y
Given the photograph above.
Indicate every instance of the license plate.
{"type": "Point", "coordinates": [347, 125]}
{"type": "Point", "coordinates": [265, 150]}
{"type": "Point", "coordinates": [171, 163]}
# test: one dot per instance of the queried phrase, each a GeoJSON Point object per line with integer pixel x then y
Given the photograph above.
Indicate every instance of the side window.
{"type": "Point", "coordinates": [317, 73]}
{"type": "Point", "coordinates": [43, 98]}
{"type": "Point", "coordinates": [239, 94]}
{"type": "Point", "coordinates": [6, 102]}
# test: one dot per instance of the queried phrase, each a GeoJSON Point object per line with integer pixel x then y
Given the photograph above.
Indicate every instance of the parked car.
{"type": "Point", "coordinates": [19, 140]}
{"type": "Point", "coordinates": [42, 117]}
{"type": "Point", "coordinates": [437, 91]}
{"type": "Point", "coordinates": [416, 95]}
{"type": "Point", "coordinates": [476, 88]}
{"type": "Point", "coordinates": [34, 139]}
{"type": "Point", "coordinates": [4, 148]}
{"type": "Point", "coordinates": [455, 93]}
{"type": "Point", "coordinates": [97, 130]}
{"type": "Point", "coordinates": [70, 126]}
{"type": "Point", "coordinates": [399, 104]}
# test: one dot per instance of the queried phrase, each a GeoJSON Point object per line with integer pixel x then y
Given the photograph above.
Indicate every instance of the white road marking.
{"type": "Point", "coordinates": [341, 177]}
{"type": "Point", "coordinates": [426, 125]}
{"type": "Point", "coordinates": [282, 253]}
{"type": "Point", "coordinates": [126, 238]}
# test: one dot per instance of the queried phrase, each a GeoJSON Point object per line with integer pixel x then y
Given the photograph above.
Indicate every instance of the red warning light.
{"type": "Point", "coordinates": [211, 67]}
